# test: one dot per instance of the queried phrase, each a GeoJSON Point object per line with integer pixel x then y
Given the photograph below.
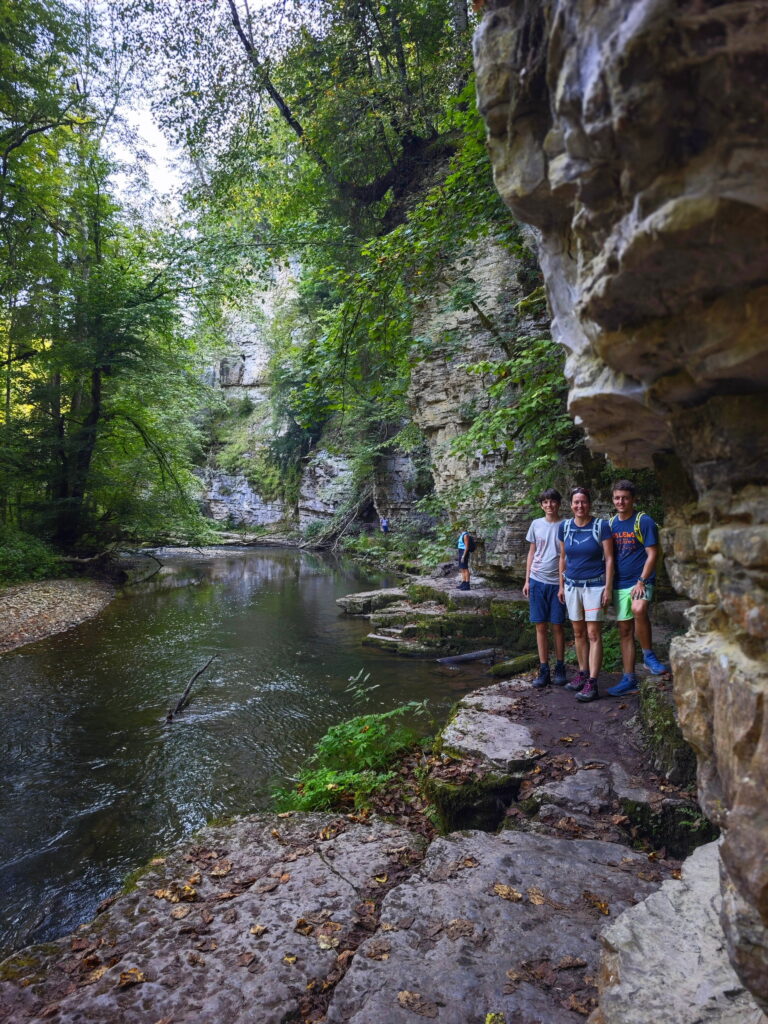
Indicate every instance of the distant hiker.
{"type": "Point", "coordinates": [466, 545]}
{"type": "Point", "coordinates": [636, 543]}
{"type": "Point", "coordinates": [384, 523]}
{"type": "Point", "coordinates": [586, 584]}
{"type": "Point", "coordinates": [542, 581]}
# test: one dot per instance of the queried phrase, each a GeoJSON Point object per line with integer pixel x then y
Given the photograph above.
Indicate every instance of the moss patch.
{"type": "Point", "coordinates": [678, 825]}
{"type": "Point", "coordinates": [669, 751]}
{"type": "Point", "coordinates": [513, 667]}
{"type": "Point", "coordinates": [477, 804]}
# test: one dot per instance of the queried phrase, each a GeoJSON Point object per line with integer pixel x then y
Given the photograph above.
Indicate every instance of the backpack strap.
{"type": "Point", "coordinates": [567, 528]}
{"type": "Point", "coordinates": [597, 528]}
{"type": "Point", "coordinates": [638, 528]}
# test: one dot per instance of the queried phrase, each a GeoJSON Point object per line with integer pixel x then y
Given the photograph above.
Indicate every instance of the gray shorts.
{"type": "Point", "coordinates": [584, 603]}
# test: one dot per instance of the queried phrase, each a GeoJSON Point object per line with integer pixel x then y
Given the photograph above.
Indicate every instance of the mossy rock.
{"type": "Point", "coordinates": [671, 755]}
{"type": "Point", "coordinates": [30, 964]}
{"type": "Point", "coordinates": [477, 804]}
{"type": "Point", "coordinates": [515, 666]}
{"type": "Point", "coordinates": [455, 625]}
{"type": "Point", "coordinates": [678, 825]}
{"type": "Point", "coordinates": [422, 592]}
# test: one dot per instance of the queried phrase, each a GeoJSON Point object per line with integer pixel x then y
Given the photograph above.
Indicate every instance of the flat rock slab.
{"type": "Point", "coordinates": [503, 924]}
{"type": "Point", "coordinates": [370, 600]}
{"type": "Point", "coordinates": [232, 929]}
{"type": "Point", "coordinates": [665, 959]}
{"type": "Point", "coordinates": [498, 743]}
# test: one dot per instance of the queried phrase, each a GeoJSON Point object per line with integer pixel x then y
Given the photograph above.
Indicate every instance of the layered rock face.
{"type": "Point", "coordinates": [444, 399]}
{"type": "Point", "coordinates": [633, 135]}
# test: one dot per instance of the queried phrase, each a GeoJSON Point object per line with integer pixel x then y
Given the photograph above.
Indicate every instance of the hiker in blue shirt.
{"type": "Point", "coordinates": [465, 546]}
{"type": "Point", "coordinates": [586, 584]}
{"type": "Point", "coordinates": [636, 543]}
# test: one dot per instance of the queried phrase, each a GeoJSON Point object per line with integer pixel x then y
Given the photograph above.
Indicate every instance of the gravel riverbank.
{"type": "Point", "coordinates": [32, 611]}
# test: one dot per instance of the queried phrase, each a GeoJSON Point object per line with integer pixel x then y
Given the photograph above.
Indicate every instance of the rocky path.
{"type": "Point", "coordinates": [32, 611]}
{"type": "Point", "coordinates": [567, 902]}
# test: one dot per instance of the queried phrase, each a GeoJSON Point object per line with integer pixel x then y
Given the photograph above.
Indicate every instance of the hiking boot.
{"type": "Point", "coordinates": [578, 681]}
{"type": "Point", "coordinates": [589, 692]}
{"type": "Point", "coordinates": [653, 664]}
{"type": "Point", "coordinates": [542, 679]}
{"type": "Point", "coordinates": [625, 686]}
{"type": "Point", "coordinates": [559, 678]}
{"type": "Point", "coordinates": [463, 585]}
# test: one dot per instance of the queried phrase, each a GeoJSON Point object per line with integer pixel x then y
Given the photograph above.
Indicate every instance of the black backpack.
{"type": "Point", "coordinates": [470, 542]}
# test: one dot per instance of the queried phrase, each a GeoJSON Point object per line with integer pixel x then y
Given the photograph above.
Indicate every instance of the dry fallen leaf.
{"type": "Point", "coordinates": [507, 892]}
{"type": "Point", "coordinates": [594, 901]}
{"type": "Point", "coordinates": [133, 976]}
{"type": "Point", "coordinates": [222, 869]}
{"type": "Point", "coordinates": [257, 929]}
{"type": "Point", "coordinates": [95, 975]}
{"type": "Point", "coordinates": [286, 814]}
{"type": "Point", "coordinates": [195, 878]}
{"type": "Point", "coordinates": [157, 860]}
{"type": "Point", "coordinates": [536, 896]}
{"type": "Point", "coordinates": [290, 958]}
{"type": "Point", "coordinates": [381, 879]}
{"type": "Point", "coordinates": [179, 912]}
{"type": "Point", "coordinates": [570, 962]}
{"type": "Point", "coordinates": [414, 1002]}
{"type": "Point", "coordinates": [246, 959]}
{"type": "Point", "coordinates": [379, 949]}
{"type": "Point", "coordinates": [303, 927]}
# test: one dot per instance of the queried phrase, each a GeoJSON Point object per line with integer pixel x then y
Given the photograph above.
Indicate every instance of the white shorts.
{"type": "Point", "coordinates": [584, 603]}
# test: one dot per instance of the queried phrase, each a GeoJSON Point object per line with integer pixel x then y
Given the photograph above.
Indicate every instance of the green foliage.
{"type": "Point", "coordinates": [351, 762]}
{"type": "Point", "coordinates": [24, 557]}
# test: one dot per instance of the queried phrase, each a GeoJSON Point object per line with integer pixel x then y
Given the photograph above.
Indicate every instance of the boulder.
{"type": "Point", "coordinates": [651, 967]}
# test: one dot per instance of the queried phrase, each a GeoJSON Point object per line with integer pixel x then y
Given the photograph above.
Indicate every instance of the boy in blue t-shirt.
{"type": "Point", "coordinates": [636, 546]}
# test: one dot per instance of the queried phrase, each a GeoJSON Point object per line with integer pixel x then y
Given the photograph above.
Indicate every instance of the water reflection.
{"type": "Point", "coordinates": [94, 782]}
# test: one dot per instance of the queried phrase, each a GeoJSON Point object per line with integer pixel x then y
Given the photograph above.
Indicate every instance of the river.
{"type": "Point", "coordinates": [95, 782]}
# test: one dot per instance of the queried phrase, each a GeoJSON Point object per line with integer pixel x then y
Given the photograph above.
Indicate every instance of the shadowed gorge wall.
{"type": "Point", "coordinates": [633, 136]}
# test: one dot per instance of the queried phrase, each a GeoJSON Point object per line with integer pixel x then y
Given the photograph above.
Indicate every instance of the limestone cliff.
{"type": "Point", "coordinates": [633, 136]}
{"type": "Point", "coordinates": [445, 398]}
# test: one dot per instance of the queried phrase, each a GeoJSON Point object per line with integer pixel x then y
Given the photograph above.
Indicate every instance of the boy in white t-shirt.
{"type": "Point", "coordinates": [541, 586]}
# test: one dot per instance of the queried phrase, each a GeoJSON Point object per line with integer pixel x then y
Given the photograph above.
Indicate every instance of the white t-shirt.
{"type": "Point", "coordinates": [544, 567]}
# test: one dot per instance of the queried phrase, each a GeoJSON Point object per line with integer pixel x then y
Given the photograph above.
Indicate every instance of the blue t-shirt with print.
{"type": "Point", "coordinates": [584, 556]}
{"type": "Point", "coordinates": [630, 553]}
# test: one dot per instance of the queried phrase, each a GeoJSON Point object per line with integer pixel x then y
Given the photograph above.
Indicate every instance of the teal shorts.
{"type": "Point", "coordinates": [622, 601]}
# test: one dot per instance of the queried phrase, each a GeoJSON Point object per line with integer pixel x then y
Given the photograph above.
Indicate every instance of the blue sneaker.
{"type": "Point", "coordinates": [653, 664]}
{"type": "Point", "coordinates": [626, 685]}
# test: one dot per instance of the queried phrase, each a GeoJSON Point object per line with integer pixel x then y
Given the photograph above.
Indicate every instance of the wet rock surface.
{"type": "Point", "coordinates": [492, 924]}
{"type": "Point", "coordinates": [251, 918]}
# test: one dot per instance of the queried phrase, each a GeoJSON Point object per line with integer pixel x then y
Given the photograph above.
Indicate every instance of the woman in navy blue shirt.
{"type": "Point", "coordinates": [586, 587]}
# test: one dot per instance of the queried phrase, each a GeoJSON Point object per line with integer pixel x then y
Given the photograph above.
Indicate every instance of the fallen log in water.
{"type": "Point", "coordinates": [185, 696]}
{"type": "Point", "coordinates": [472, 656]}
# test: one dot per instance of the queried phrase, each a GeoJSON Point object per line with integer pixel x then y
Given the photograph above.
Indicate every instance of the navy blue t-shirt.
{"type": "Point", "coordinates": [584, 556]}
{"type": "Point", "coordinates": [630, 553]}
